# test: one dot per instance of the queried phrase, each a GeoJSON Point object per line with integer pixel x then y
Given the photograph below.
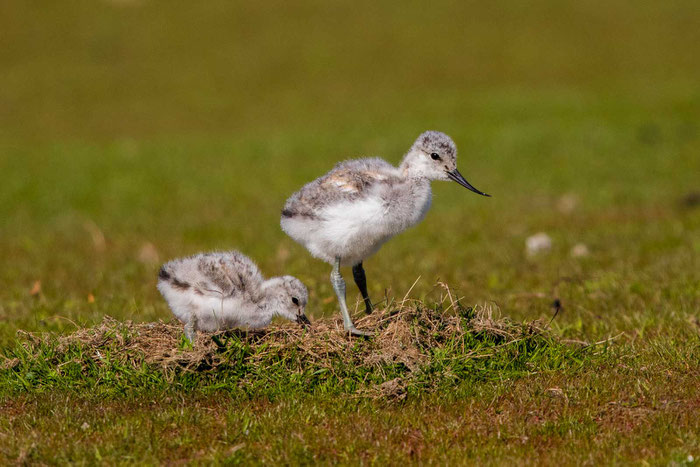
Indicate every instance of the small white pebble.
{"type": "Point", "coordinates": [148, 254]}
{"type": "Point", "coordinates": [580, 250]}
{"type": "Point", "coordinates": [538, 243]}
{"type": "Point", "coordinates": [567, 203]}
{"type": "Point", "coordinates": [556, 392]}
{"type": "Point", "coordinates": [690, 458]}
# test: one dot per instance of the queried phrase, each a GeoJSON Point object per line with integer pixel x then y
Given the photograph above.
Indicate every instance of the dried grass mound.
{"type": "Point", "coordinates": [411, 342]}
{"type": "Point", "coordinates": [401, 337]}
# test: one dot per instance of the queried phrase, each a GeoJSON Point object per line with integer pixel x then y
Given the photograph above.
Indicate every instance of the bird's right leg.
{"type": "Point", "coordinates": [191, 329]}
{"type": "Point", "coordinates": [339, 287]}
{"type": "Point", "coordinates": [358, 273]}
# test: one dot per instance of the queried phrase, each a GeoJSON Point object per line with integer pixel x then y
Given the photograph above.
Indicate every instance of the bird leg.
{"type": "Point", "coordinates": [190, 329]}
{"type": "Point", "coordinates": [358, 273]}
{"type": "Point", "coordinates": [339, 287]}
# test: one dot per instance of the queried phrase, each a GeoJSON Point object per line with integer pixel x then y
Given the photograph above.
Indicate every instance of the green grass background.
{"type": "Point", "coordinates": [186, 125]}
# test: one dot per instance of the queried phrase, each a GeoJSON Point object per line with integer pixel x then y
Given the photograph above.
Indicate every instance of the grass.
{"type": "Point", "coordinates": [593, 415]}
{"type": "Point", "coordinates": [132, 132]}
{"type": "Point", "coordinates": [416, 350]}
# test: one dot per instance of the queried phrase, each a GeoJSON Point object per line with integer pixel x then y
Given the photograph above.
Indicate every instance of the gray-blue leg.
{"type": "Point", "coordinates": [339, 287]}
{"type": "Point", "coordinates": [190, 329]}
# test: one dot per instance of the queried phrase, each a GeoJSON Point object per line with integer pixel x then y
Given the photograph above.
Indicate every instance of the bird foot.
{"type": "Point", "coordinates": [190, 335]}
{"type": "Point", "coordinates": [353, 331]}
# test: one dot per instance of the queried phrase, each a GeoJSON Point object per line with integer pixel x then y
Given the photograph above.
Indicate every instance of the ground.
{"type": "Point", "coordinates": [132, 132]}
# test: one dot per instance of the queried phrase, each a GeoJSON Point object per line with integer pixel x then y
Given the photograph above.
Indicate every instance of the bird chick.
{"type": "Point", "coordinates": [346, 215]}
{"type": "Point", "coordinates": [224, 290]}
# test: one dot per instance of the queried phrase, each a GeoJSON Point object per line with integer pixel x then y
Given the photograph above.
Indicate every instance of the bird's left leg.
{"type": "Point", "coordinates": [358, 273]}
{"type": "Point", "coordinates": [339, 287]}
{"type": "Point", "coordinates": [191, 329]}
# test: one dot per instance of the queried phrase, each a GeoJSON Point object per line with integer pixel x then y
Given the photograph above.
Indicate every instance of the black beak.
{"type": "Point", "coordinates": [303, 320]}
{"type": "Point", "coordinates": [457, 177]}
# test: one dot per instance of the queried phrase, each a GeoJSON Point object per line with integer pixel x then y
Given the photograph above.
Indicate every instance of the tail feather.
{"type": "Point", "coordinates": [163, 274]}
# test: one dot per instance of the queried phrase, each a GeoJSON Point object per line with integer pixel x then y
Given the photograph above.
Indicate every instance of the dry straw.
{"type": "Point", "coordinates": [402, 335]}
{"type": "Point", "coordinates": [407, 335]}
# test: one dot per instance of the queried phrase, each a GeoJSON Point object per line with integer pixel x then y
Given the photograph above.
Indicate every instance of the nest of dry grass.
{"type": "Point", "coordinates": [401, 336]}
{"type": "Point", "coordinates": [404, 344]}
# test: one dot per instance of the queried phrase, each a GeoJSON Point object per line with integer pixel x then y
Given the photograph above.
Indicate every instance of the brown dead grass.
{"type": "Point", "coordinates": [401, 336]}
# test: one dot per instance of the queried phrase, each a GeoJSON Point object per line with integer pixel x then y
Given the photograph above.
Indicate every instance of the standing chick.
{"type": "Point", "coordinates": [346, 215]}
{"type": "Point", "coordinates": [224, 290]}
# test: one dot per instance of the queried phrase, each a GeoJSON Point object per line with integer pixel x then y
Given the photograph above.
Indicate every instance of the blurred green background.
{"type": "Point", "coordinates": [134, 131]}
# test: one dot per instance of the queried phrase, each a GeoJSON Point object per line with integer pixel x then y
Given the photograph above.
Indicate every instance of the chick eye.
{"type": "Point", "coordinates": [435, 156]}
{"type": "Point", "coordinates": [295, 300]}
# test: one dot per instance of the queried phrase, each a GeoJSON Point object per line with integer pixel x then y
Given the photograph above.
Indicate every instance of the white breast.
{"type": "Point", "coordinates": [355, 229]}
{"type": "Point", "coordinates": [212, 313]}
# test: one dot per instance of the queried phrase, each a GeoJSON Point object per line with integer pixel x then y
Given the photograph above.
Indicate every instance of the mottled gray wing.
{"type": "Point", "coordinates": [229, 273]}
{"type": "Point", "coordinates": [347, 181]}
{"type": "Point", "coordinates": [220, 274]}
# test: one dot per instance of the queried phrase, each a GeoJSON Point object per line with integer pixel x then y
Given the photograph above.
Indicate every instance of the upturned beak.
{"type": "Point", "coordinates": [303, 320]}
{"type": "Point", "coordinates": [457, 177]}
